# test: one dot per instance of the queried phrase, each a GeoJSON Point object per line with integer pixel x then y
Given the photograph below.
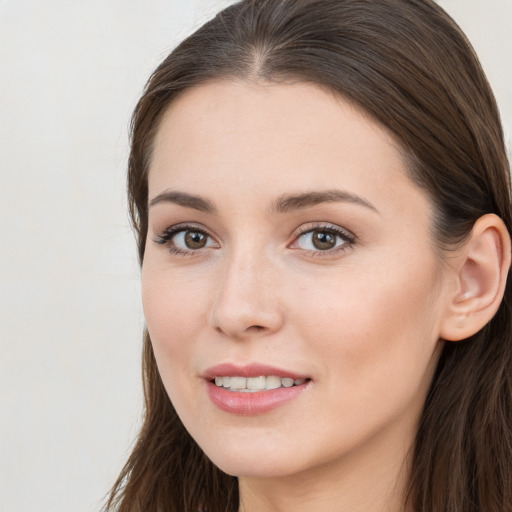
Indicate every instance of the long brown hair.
{"type": "Point", "coordinates": [407, 65]}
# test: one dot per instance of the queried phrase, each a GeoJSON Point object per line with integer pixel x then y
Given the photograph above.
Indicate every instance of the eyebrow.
{"type": "Point", "coordinates": [185, 200]}
{"type": "Point", "coordinates": [285, 203]}
{"type": "Point", "coordinates": [290, 202]}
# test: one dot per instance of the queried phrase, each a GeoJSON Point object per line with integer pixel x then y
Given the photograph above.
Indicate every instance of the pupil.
{"type": "Point", "coordinates": [323, 240]}
{"type": "Point", "coordinates": [194, 240]}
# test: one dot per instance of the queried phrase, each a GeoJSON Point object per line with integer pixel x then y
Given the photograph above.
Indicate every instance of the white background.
{"type": "Point", "coordinates": [70, 314]}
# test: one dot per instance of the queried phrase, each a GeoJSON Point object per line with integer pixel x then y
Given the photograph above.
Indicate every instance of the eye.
{"type": "Point", "coordinates": [323, 239]}
{"type": "Point", "coordinates": [184, 240]}
{"type": "Point", "coordinates": [191, 240]}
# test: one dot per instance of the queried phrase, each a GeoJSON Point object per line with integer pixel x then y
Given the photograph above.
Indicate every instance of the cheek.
{"type": "Point", "coordinates": [375, 341]}
{"type": "Point", "coordinates": [175, 310]}
{"type": "Point", "coordinates": [171, 298]}
{"type": "Point", "coordinates": [378, 324]}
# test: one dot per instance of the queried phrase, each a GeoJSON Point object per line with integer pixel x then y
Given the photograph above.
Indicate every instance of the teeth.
{"type": "Point", "coordinates": [238, 383]}
{"type": "Point", "coordinates": [252, 384]}
{"type": "Point", "coordinates": [287, 382]}
{"type": "Point", "coordinates": [272, 382]}
{"type": "Point", "coordinates": [256, 383]}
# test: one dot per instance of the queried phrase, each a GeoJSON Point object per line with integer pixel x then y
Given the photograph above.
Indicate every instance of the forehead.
{"type": "Point", "coordinates": [265, 139]}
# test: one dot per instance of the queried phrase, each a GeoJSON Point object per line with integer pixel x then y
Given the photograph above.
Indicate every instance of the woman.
{"type": "Point", "coordinates": [321, 196]}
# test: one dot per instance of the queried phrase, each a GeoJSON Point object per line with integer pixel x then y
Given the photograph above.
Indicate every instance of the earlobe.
{"type": "Point", "coordinates": [482, 267]}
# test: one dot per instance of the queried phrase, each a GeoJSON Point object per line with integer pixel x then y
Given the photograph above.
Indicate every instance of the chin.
{"type": "Point", "coordinates": [254, 462]}
{"type": "Point", "coordinates": [254, 469]}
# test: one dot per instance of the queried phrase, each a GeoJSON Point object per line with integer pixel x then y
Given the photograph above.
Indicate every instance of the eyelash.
{"type": "Point", "coordinates": [347, 237]}
{"type": "Point", "coordinates": [166, 238]}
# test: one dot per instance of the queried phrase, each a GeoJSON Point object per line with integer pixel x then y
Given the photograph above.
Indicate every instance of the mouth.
{"type": "Point", "coordinates": [256, 384]}
{"type": "Point", "coordinates": [253, 389]}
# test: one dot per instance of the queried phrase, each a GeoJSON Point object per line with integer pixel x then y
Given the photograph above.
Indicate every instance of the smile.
{"type": "Point", "coordinates": [254, 388]}
{"type": "Point", "coordinates": [255, 384]}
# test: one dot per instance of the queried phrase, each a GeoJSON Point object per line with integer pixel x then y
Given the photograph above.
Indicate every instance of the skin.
{"type": "Point", "coordinates": [361, 320]}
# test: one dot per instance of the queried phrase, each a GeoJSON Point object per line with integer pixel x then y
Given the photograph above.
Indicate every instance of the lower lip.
{"type": "Point", "coordinates": [252, 403]}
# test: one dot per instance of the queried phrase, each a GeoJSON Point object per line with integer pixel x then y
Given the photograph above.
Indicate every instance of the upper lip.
{"type": "Point", "coordinates": [249, 370]}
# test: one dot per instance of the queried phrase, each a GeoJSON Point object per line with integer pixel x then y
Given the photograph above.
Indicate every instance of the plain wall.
{"type": "Point", "coordinates": [71, 318]}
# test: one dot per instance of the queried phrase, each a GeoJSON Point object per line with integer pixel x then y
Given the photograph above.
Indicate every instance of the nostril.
{"type": "Point", "coordinates": [255, 328]}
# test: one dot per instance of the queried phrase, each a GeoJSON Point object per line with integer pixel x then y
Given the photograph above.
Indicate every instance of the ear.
{"type": "Point", "coordinates": [481, 267]}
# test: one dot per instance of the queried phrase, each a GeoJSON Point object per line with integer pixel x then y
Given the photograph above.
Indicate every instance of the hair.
{"type": "Point", "coordinates": [408, 65]}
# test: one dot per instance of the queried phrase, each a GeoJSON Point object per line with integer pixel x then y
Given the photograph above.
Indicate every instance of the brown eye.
{"type": "Point", "coordinates": [323, 240]}
{"type": "Point", "coordinates": [181, 240]}
{"type": "Point", "coordinates": [326, 239]}
{"type": "Point", "coordinates": [195, 239]}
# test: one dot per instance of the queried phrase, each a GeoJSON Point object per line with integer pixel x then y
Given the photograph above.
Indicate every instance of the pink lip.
{"type": "Point", "coordinates": [250, 370]}
{"type": "Point", "coordinates": [247, 404]}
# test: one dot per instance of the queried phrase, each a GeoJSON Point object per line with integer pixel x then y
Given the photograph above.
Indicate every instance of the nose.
{"type": "Point", "coordinates": [247, 303]}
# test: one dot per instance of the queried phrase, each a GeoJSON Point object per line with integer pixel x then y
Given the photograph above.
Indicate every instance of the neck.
{"type": "Point", "coordinates": [372, 480]}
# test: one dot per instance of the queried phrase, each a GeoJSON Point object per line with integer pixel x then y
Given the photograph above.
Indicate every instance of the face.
{"type": "Point", "coordinates": [291, 287]}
